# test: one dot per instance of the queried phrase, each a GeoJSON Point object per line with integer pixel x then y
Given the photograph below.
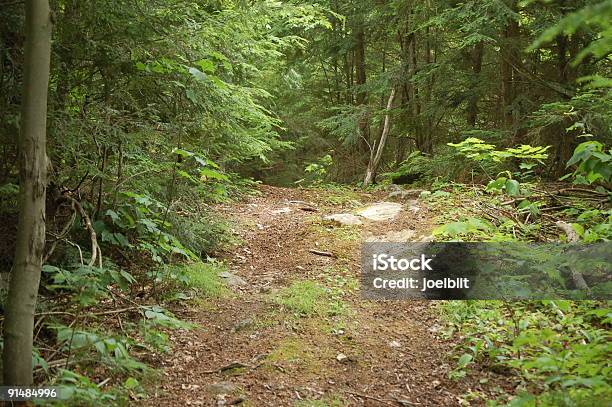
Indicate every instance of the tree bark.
{"type": "Point", "coordinates": [361, 94]}
{"type": "Point", "coordinates": [25, 276]}
{"type": "Point", "coordinates": [476, 61]}
{"type": "Point", "coordinates": [510, 60]}
{"type": "Point", "coordinates": [375, 158]}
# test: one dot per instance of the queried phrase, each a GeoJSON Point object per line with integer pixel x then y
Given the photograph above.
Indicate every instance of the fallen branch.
{"type": "Point", "coordinates": [230, 366]}
{"type": "Point", "coordinates": [571, 234]}
{"type": "Point", "coordinates": [321, 253]}
{"type": "Point", "coordinates": [308, 209]}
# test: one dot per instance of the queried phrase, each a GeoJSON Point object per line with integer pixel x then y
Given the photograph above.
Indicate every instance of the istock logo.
{"type": "Point", "coordinates": [383, 262]}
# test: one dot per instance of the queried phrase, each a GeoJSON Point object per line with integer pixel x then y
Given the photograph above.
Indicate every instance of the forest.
{"type": "Point", "coordinates": [188, 189]}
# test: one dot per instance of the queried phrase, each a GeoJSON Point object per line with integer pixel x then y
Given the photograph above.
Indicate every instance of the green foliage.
{"type": "Point", "coordinates": [87, 284]}
{"type": "Point", "coordinates": [559, 348]}
{"type": "Point", "coordinates": [593, 225]}
{"type": "Point", "coordinates": [309, 299]}
{"type": "Point", "coordinates": [79, 390]}
{"type": "Point", "coordinates": [317, 172]}
{"type": "Point", "coordinates": [203, 278]}
{"type": "Point", "coordinates": [593, 163]}
{"type": "Point", "coordinates": [142, 219]}
{"type": "Point", "coordinates": [596, 16]}
{"type": "Point", "coordinates": [415, 164]}
{"type": "Point", "coordinates": [9, 194]}
{"type": "Point", "coordinates": [504, 184]}
{"type": "Point", "coordinates": [474, 228]}
{"type": "Point", "coordinates": [302, 297]}
{"type": "Point", "coordinates": [477, 150]}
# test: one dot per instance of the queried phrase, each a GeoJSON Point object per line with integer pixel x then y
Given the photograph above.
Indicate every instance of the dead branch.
{"type": "Point", "coordinates": [96, 252]}
{"type": "Point", "coordinates": [321, 253]}
{"type": "Point", "coordinates": [62, 235]}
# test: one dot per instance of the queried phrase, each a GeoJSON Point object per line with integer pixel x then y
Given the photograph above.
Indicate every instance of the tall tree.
{"type": "Point", "coordinates": [25, 276]}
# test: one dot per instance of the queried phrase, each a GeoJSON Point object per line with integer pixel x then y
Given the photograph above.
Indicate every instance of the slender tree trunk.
{"type": "Point", "coordinates": [361, 94]}
{"type": "Point", "coordinates": [25, 276]}
{"type": "Point", "coordinates": [476, 61]}
{"type": "Point", "coordinates": [375, 157]}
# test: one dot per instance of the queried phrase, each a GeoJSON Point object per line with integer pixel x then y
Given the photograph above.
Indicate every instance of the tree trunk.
{"type": "Point", "coordinates": [476, 62]}
{"type": "Point", "coordinates": [375, 158]}
{"type": "Point", "coordinates": [509, 63]}
{"type": "Point", "coordinates": [361, 94]}
{"type": "Point", "coordinates": [25, 276]}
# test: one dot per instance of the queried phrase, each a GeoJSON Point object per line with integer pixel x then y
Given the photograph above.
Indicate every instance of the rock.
{"type": "Point", "coordinates": [395, 344]}
{"type": "Point", "coordinates": [220, 388]}
{"type": "Point", "coordinates": [232, 279]}
{"type": "Point", "coordinates": [399, 236]}
{"type": "Point", "coordinates": [381, 211]}
{"type": "Point", "coordinates": [404, 194]}
{"type": "Point", "coordinates": [342, 358]}
{"type": "Point", "coordinates": [344, 219]}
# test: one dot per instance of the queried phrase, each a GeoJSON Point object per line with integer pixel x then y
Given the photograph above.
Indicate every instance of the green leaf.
{"type": "Point", "coordinates": [512, 187]}
{"type": "Point", "coordinates": [131, 383]}
{"type": "Point", "coordinates": [206, 65]}
{"type": "Point", "coordinates": [464, 360]}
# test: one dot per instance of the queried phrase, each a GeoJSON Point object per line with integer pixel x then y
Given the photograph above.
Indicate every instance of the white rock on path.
{"type": "Point", "coordinates": [344, 219]}
{"type": "Point", "coordinates": [381, 211]}
{"type": "Point", "coordinates": [232, 279]}
{"type": "Point", "coordinates": [402, 236]}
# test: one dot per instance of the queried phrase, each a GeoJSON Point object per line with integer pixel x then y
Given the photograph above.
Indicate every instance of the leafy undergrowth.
{"type": "Point", "coordinates": [96, 352]}
{"type": "Point", "coordinates": [556, 353]}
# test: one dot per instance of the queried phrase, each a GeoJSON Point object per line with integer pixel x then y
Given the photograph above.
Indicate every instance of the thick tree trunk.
{"type": "Point", "coordinates": [375, 157]}
{"type": "Point", "coordinates": [25, 276]}
{"type": "Point", "coordinates": [509, 63]}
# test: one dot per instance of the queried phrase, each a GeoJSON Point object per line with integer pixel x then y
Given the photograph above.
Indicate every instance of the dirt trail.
{"type": "Point", "coordinates": [263, 354]}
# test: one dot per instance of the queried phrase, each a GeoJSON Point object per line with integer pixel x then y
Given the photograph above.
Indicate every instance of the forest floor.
{"type": "Point", "coordinates": [278, 341]}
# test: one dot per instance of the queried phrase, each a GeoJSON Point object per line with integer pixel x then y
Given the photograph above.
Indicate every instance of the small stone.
{"type": "Point", "coordinates": [395, 344]}
{"type": "Point", "coordinates": [342, 358]}
{"type": "Point", "coordinates": [221, 388]}
{"type": "Point", "coordinates": [281, 211]}
{"type": "Point", "coordinates": [232, 279]}
{"type": "Point", "coordinates": [403, 236]}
